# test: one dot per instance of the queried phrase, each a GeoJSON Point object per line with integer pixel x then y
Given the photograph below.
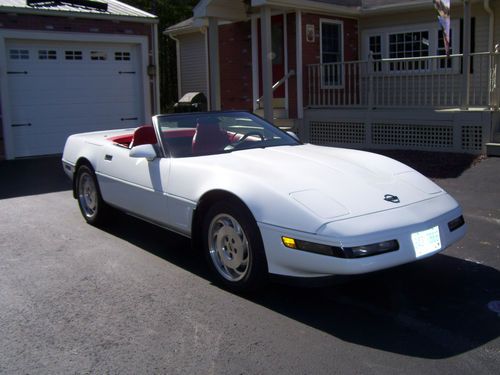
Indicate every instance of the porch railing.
{"type": "Point", "coordinates": [434, 81]}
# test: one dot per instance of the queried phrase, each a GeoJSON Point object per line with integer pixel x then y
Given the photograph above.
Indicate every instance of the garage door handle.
{"type": "Point", "coordinates": [19, 125]}
{"type": "Point", "coordinates": [128, 118]}
{"type": "Point", "coordinates": [25, 72]}
{"type": "Point", "coordinates": [126, 72]}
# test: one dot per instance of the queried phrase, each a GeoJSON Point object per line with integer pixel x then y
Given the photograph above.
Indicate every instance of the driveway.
{"type": "Point", "coordinates": [131, 298]}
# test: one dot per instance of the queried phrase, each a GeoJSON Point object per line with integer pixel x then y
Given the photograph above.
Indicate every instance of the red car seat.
{"type": "Point", "coordinates": [144, 135]}
{"type": "Point", "coordinates": [208, 139]}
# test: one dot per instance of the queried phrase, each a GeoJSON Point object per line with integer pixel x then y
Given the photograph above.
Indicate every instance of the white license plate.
{"type": "Point", "coordinates": [426, 242]}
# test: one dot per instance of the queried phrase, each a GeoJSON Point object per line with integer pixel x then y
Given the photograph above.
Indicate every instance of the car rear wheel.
{"type": "Point", "coordinates": [93, 208]}
{"type": "Point", "coordinates": [233, 247]}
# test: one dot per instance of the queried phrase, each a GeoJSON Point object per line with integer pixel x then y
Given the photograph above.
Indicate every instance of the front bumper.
{"type": "Point", "coordinates": [398, 224]}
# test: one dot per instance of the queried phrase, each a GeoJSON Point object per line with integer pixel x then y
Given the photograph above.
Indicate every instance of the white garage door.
{"type": "Point", "coordinates": [60, 88]}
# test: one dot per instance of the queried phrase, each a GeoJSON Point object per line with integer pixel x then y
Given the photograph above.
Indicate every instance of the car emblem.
{"type": "Point", "coordinates": [391, 198]}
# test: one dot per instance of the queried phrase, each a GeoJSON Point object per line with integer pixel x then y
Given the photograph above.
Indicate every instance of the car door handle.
{"type": "Point", "coordinates": [19, 125]}
{"type": "Point", "coordinates": [108, 157]}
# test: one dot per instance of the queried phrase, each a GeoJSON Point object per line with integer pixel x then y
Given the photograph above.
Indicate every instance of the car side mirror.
{"type": "Point", "coordinates": [143, 151]}
{"type": "Point", "coordinates": [293, 135]}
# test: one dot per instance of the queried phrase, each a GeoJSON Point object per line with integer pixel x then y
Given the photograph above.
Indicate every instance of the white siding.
{"type": "Point", "coordinates": [193, 63]}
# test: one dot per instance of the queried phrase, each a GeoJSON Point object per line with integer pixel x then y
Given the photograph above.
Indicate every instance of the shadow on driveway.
{"type": "Point", "coordinates": [435, 308]}
{"type": "Point", "coordinates": [434, 164]}
{"type": "Point", "coordinates": [32, 176]}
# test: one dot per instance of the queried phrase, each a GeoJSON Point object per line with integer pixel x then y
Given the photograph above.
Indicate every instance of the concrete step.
{"type": "Point", "coordinates": [285, 123]}
{"type": "Point", "coordinates": [278, 113]}
{"type": "Point", "coordinates": [493, 149]}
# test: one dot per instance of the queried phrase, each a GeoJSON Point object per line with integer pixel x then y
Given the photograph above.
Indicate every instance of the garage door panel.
{"type": "Point", "coordinates": [62, 96]}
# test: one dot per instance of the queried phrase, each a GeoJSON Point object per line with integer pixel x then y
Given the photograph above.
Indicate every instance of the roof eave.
{"type": "Point", "coordinates": [64, 13]}
{"type": "Point", "coordinates": [310, 6]}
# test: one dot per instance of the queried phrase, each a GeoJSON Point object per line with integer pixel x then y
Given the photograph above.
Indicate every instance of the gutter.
{"type": "Point", "coordinates": [178, 58]}
{"type": "Point", "coordinates": [310, 6]}
{"type": "Point", "coordinates": [63, 13]}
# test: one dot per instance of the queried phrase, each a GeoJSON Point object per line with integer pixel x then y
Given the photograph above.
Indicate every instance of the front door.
{"type": "Point", "coordinates": [277, 54]}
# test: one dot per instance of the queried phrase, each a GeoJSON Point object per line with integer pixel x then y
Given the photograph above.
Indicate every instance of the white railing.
{"type": "Point", "coordinates": [434, 81]}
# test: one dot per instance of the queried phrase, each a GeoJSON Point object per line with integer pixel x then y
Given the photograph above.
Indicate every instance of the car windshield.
{"type": "Point", "coordinates": [195, 134]}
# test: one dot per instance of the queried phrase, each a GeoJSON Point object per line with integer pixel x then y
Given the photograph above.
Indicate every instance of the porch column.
{"type": "Point", "coordinates": [466, 57]}
{"type": "Point", "coordinates": [255, 63]}
{"type": "Point", "coordinates": [213, 55]}
{"type": "Point", "coordinates": [267, 66]}
{"type": "Point", "coordinates": [299, 69]}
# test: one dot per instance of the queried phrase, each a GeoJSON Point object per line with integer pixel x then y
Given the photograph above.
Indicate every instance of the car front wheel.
{"type": "Point", "coordinates": [233, 247]}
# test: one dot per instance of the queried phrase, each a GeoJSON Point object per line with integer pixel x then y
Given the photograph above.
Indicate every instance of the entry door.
{"type": "Point", "coordinates": [277, 38]}
{"type": "Point", "coordinates": [278, 54]}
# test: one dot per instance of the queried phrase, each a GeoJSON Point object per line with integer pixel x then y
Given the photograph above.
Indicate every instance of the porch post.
{"type": "Point", "coordinates": [213, 42]}
{"type": "Point", "coordinates": [255, 63]}
{"type": "Point", "coordinates": [466, 57]}
{"type": "Point", "coordinates": [299, 69]}
{"type": "Point", "coordinates": [267, 67]}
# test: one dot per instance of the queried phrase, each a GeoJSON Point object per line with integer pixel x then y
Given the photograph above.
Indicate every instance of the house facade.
{"type": "Point", "coordinates": [355, 73]}
{"type": "Point", "coordinates": [73, 66]}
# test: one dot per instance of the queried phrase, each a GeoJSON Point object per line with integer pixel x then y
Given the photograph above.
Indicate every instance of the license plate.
{"type": "Point", "coordinates": [426, 242]}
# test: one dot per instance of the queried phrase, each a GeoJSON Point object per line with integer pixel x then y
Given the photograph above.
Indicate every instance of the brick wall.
{"type": "Point", "coordinates": [79, 25]}
{"type": "Point", "coordinates": [235, 57]}
{"type": "Point", "coordinates": [311, 50]}
{"type": "Point", "coordinates": [235, 54]}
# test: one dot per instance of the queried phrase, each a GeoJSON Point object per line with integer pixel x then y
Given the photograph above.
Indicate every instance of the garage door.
{"type": "Point", "coordinates": [59, 88]}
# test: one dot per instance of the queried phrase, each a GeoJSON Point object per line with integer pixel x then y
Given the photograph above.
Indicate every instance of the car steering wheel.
{"type": "Point", "coordinates": [245, 136]}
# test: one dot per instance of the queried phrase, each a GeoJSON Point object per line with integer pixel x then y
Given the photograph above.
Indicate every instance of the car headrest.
{"type": "Point", "coordinates": [208, 138]}
{"type": "Point", "coordinates": [144, 135]}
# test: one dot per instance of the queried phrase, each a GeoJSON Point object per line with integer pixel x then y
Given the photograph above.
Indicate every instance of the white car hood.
{"type": "Point", "coordinates": [327, 183]}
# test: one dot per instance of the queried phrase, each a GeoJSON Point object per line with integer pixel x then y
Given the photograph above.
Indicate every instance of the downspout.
{"type": "Point", "coordinates": [178, 58]}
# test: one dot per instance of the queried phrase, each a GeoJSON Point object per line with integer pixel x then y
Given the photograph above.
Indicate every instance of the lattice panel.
{"type": "Point", "coordinates": [414, 135]}
{"type": "Point", "coordinates": [472, 138]}
{"type": "Point", "coordinates": [337, 132]}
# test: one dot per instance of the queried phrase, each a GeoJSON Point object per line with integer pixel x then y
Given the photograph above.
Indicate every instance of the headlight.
{"type": "Point", "coordinates": [341, 252]}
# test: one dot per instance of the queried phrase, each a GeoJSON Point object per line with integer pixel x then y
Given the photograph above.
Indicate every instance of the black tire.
{"type": "Point", "coordinates": [239, 262]}
{"type": "Point", "coordinates": [88, 194]}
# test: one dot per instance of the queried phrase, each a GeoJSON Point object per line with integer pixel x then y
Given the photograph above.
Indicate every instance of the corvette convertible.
{"type": "Point", "coordinates": [257, 201]}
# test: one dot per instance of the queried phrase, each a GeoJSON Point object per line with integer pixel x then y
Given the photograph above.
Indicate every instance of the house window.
{"type": "Point", "coordinates": [98, 55]}
{"type": "Point", "coordinates": [19, 54]}
{"type": "Point", "coordinates": [73, 55]}
{"type": "Point", "coordinates": [375, 45]}
{"type": "Point", "coordinates": [44, 54]}
{"type": "Point", "coordinates": [122, 56]}
{"type": "Point", "coordinates": [409, 44]}
{"type": "Point", "coordinates": [331, 53]}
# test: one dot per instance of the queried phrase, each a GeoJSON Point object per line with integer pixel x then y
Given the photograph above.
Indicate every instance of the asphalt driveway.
{"type": "Point", "coordinates": [133, 298]}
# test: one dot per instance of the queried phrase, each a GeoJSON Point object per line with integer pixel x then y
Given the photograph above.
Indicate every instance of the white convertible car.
{"type": "Point", "coordinates": [258, 201]}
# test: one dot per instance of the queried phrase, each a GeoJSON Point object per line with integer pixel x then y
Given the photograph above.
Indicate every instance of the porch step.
{"type": "Point", "coordinates": [278, 113]}
{"type": "Point", "coordinates": [493, 149]}
{"type": "Point", "coordinates": [277, 103]}
{"type": "Point", "coordinates": [285, 123]}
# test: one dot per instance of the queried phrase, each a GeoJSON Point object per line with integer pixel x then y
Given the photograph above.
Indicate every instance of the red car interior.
{"type": "Point", "coordinates": [205, 139]}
